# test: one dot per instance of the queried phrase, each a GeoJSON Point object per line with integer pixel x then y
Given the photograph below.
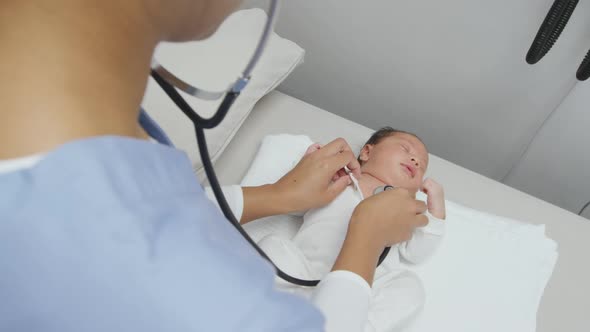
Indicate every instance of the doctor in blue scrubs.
{"type": "Point", "coordinates": [103, 229]}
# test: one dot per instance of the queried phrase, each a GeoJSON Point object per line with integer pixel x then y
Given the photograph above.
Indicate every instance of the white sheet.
{"type": "Point", "coordinates": [488, 275]}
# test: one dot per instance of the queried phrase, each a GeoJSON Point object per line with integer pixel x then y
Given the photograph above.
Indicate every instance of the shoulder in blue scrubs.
{"type": "Point", "coordinates": [118, 218]}
{"type": "Point", "coordinates": [104, 231]}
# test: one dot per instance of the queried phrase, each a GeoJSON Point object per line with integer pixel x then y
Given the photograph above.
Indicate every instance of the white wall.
{"type": "Point", "coordinates": [556, 167]}
{"type": "Point", "coordinates": [452, 71]}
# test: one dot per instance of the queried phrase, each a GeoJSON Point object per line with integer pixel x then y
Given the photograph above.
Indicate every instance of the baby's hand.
{"type": "Point", "coordinates": [436, 198]}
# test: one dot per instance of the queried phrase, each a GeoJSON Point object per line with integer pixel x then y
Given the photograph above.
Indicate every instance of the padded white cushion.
{"type": "Point", "coordinates": [213, 64]}
{"type": "Point", "coordinates": [277, 155]}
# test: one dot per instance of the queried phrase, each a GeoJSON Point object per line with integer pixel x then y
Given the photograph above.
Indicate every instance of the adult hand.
{"type": "Point", "coordinates": [379, 221]}
{"type": "Point", "coordinates": [390, 217]}
{"type": "Point", "coordinates": [319, 176]}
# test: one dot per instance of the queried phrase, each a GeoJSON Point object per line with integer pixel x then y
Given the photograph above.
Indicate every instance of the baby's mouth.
{"type": "Point", "coordinates": [408, 170]}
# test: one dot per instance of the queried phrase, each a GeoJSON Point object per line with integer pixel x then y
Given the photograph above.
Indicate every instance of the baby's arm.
{"type": "Point", "coordinates": [426, 240]}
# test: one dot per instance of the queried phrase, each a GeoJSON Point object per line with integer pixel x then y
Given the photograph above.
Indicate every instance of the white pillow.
{"type": "Point", "coordinates": [277, 155]}
{"type": "Point", "coordinates": [213, 64]}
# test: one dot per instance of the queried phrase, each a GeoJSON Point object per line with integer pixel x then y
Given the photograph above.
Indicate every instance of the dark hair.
{"type": "Point", "coordinates": [382, 133]}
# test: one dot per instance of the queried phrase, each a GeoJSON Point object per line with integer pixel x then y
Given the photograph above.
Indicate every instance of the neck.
{"type": "Point", "coordinates": [67, 75]}
{"type": "Point", "coordinates": [369, 183]}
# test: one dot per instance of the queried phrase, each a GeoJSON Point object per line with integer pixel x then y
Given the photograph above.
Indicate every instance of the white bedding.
{"type": "Point", "coordinates": [488, 274]}
{"type": "Point", "coordinates": [567, 295]}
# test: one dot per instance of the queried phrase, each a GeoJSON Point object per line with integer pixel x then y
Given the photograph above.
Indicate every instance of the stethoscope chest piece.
{"type": "Point", "coordinates": [382, 189]}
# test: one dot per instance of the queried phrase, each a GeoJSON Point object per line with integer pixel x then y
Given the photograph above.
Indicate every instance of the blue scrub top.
{"type": "Point", "coordinates": [116, 234]}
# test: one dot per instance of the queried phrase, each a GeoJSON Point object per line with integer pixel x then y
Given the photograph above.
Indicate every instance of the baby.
{"type": "Point", "coordinates": [390, 157]}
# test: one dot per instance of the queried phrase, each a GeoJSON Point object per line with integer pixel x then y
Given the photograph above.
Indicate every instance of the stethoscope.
{"type": "Point", "coordinates": [170, 83]}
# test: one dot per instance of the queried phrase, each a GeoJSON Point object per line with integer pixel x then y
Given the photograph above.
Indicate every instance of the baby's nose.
{"type": "Point", "coordinates": [416, 162]}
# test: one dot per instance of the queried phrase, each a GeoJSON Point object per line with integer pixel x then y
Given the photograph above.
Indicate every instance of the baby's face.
{"type": "Point", "coordinates": [399, 160]}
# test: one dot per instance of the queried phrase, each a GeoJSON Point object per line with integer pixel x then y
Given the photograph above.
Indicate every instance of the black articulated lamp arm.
{"type": "Point", "coordinates": [557, 18]}
{"type": "Point", "coordinates": [551, 29]}
{"type": "Point", "coordinates": [584, 70]}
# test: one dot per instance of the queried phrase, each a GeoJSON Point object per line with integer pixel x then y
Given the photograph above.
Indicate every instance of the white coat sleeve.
{"type": "Point", "coordinates": [424, 241]}
{"type": "Point", "coordinates": [234, 197]}
{"type": "Point", "coordinates": [342, 296]}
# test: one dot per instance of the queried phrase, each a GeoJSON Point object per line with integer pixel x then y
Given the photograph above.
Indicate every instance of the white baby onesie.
{"type": "Point", "coordinates": [397, 294]}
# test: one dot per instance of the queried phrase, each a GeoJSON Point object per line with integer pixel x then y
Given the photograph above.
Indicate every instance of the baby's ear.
{"type": "Point", "coordinates": [365, 152]}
